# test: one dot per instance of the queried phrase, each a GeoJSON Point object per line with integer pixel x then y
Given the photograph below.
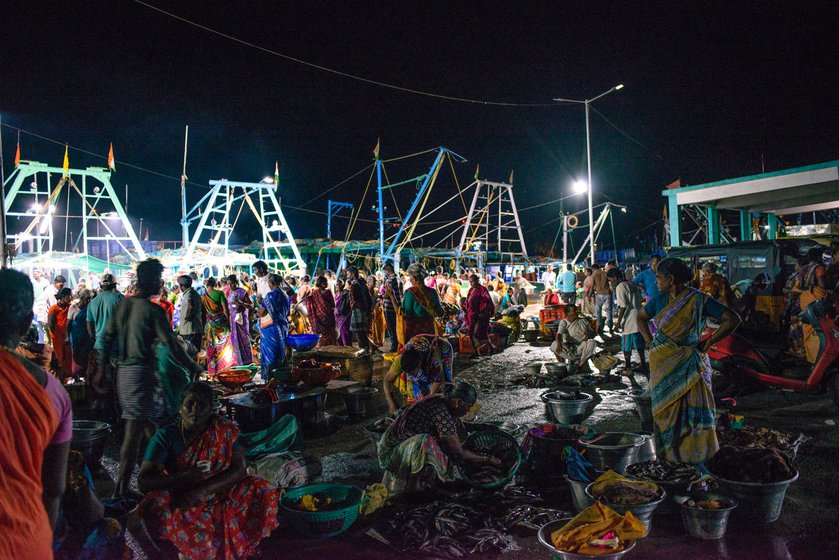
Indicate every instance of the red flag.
{"type": "Point", "coordinates": [17, 154]}
{"type": "Point", "coordinates": [112, 165]}
{"type": "Point", "coordinates": [675, 184]}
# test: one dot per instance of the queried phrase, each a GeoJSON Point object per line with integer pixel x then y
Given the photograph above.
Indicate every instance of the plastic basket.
{"type": "Point", "coordinates": [483, 442]}
{"type": "Point", "coordinates": [323, 524]}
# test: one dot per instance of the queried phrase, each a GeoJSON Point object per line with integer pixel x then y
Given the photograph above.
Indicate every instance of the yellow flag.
{"type": "Point", "coordinates": [66, 165]}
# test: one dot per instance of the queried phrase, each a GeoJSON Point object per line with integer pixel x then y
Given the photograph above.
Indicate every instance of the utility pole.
{"type": "Point", "coordinates": [184, 223]}
{"type": "Point", "coordinates": [3, 252]}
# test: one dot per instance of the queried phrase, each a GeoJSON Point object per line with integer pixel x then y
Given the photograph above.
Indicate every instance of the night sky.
{"type": "Point", "coordinates": [710, 90]}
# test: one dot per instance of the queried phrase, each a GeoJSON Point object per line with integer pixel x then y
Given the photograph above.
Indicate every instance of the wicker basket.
{"type": "Point", "coordinates": [323, 524]}
{"type": "Point", "coordinates": [484, 441]}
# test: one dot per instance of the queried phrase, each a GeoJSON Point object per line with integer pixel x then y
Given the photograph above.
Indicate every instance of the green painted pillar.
{"type": "Point", "coordinates": [745, 226]}
{"type": "Point", "coordinates": [675, 220]}
{"type": "Point", "coordinates": [713, 226]}
{"type": "Point", "coordinates": [772, 221]}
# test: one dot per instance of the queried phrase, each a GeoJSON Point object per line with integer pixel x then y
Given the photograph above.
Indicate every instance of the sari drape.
{"type": "Point", "coordinates": [479, 309]}
{"type": "Point", "coordinates": [321, 306]}
{"type": "Point", "coordinates": [217, 333]}
{"type": "Point", "coordinates": [272, 339]}
{"type": "Point", "coordinates": [29, 423]}
{"type": "Point", "coordinates": [435, 367]}
{"type": "Point", "coordinates": [240, 336]}
{"type": "Point", "coordinates": [342, 318]}
{"type": "Point", "coordinates": [228, 525]}
{"type": "Point", "coordinates": [414, 325]}
{"type": "Point", "coordinates": [683, 405]}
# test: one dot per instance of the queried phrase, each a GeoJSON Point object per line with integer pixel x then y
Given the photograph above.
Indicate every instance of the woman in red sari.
{"type": "Point", "coordinates": [321, 306]}
{"type": "Point", "coordinates": [479, 310]}
{"type": "Point", "coordinates": [199, 496]}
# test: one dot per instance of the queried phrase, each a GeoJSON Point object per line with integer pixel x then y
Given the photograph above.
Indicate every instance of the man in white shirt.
{"type": "Point", "coordinates": [260, 270]}
{"type": "Point", "coordinates": [630, 301]}
{"type": "Point", "coordinates": [549, 278]}
{"type": "Point", "coordinates": [494, 296]}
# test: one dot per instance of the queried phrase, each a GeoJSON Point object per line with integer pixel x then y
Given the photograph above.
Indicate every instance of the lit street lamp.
{"type": "Point", "coordinates": [587, 102]}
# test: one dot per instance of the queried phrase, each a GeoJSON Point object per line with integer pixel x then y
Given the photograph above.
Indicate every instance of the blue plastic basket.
{"type": "Point", "coordinates": [303, 342]}
{"type": "Point", "coordinates": [323, 524]}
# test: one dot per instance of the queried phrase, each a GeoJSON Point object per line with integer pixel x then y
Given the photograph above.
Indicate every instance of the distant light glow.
{"type": "Point", "coordinates": [580, 186]}
{"type": "Point", "coordinates": [25, 236]}
{"type": "Point", "coordinates": [619, 86]}
{"type": "Point", "coordinates": [45, 224]}
{"type": "Point", "coordinates": [53, 209]}
{"type": "Point", "coordinates": [268, 180]}
{"type": "Point", "coordinates": [35, 208]}
{"type": "Point", "coordinates": [623, 210]}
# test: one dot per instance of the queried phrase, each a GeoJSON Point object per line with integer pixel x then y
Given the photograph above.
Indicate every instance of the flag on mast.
{"type": "Point", "coordinates": [112, 164]}
{"type": "Point", "coordinates": [17, 151]}
{"type": "Point", "coordinates": [511, 176]}
{"type": "Point", "coordinates": [477, 170]}
{"type": "Point", "coordinates": [66, 165]}
{"type": "Point", "coordinates": [276, 173]}
{"type": "Point", "coordinates": [376, 149]}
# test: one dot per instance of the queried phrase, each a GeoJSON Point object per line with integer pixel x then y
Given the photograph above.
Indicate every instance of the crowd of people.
{"type": "Point", "coordinates": [124, 342]}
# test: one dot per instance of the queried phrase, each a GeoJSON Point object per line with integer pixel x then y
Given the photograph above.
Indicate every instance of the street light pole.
{"type": "Point", "coordinates": [587, 102]}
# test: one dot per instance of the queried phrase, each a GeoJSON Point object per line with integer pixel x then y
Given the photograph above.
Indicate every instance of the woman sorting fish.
{"type": "Point", "coordinates": [425, 442]}
{"type": "Point", "coordinates": [420, 369]}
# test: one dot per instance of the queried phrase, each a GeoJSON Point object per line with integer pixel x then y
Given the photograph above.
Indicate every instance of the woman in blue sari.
{"type": "Point", "coordinates": [273, 326]}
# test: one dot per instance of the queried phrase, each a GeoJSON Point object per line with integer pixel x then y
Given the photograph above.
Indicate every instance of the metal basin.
{"type": "Point", "coordinates": [544, 536]}
{"type": "Point", "coordinates": [579, 498]}
{"type": "Point", "coordinates": [644, 512]}
{"type": "Point", "coordinates": [759, 501]}
{"type": "Point", "coordinates": [707, 524]}
{"type": "Point", "coordinates": [567, 411]}
{"type": "Point", "coordinates": [533, 369]}
{"type": "Point", "coordinates": [559, 371]}
{"type": "Point", "coordinates": [359, 401]}
{"type": "Point", "coordinates": [89, 439]}
{"type": "Point", "coordinates": [613, 450]}
{"type": "Point", "coordinates": [644, 406]}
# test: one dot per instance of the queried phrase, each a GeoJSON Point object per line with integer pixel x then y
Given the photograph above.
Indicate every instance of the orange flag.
{"type": "Point", "coordinates": [376, 149]}
{"type": "Point", "coordinates": [112, 164]}
{"type": "Point", "coordinates": [66, 165]}
{"type": "Point", "coordinates": [17, 154]}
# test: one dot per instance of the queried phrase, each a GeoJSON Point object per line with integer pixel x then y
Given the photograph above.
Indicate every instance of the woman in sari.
{"type": "Point", "coordinates": [199, 496]}
{"type": "Point", "coordinates": [273, 327]}
{"type": "Point", "coordinates": [420, 370]}
{"type": "Point", "coordinates": [343, 313]}
{"type": "Point", "coordinates": [377, 316]}
{"type": "Point", "coordinates": [479, 310]}
{"type": "Point", "coordinates": [217, 330]}
{"type": "Point", "coordinates": [452, 292]}
{"type": "Point", "coordinates": [814, 287]}
{"type": "Point", "coordinates": [239, 304]}
{"type": "Point", "coordinates": [792, 294]}
{"type": "Point", "coordinates": [81, 342]}
{"type": "Point", "coordinates": [420, 305]}
{"type": "Point", "coordinates": [425, 441]}
{"type": "Point", "coordinates": [321, 306]}
{"type": "Point", "coordinates": [680, 374]}
{"type": "Point", "coordinates": [59, 332]}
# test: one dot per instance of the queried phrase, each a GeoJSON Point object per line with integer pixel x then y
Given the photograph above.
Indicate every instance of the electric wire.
{"type": "Point", "coordinates": [340, 72]}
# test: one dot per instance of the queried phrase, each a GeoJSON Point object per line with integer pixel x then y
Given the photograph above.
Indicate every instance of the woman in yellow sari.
{"type": "Point", "coordinates": [680, 374]}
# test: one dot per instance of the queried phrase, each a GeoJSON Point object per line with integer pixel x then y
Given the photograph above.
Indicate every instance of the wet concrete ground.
{"type": "Point", "coordinates": [807, 529]}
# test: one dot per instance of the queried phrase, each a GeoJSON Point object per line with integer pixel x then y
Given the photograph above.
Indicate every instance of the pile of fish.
{"type": "Point", "coordinates": [449, 530]}
{"type": "Point", "coordinates": [507, 452]}
{"type": "Point", "coordinates": [763, 438]}
{"type": "Point", "coordinates": [666, 472]}
{"type": "Point", "coordinates": [750, 464]}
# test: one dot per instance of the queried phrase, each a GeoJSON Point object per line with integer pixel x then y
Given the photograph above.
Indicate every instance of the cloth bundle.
{"type": "Point", "coordinates": [617, 489]}
{"type": "Point", "coordinates": [598, 530]}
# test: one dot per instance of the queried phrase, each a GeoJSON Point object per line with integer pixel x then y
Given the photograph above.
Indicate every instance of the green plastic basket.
{"type": "Point", "coordinates": [482, 442]}
{"type": "Point", "coordinates": [323, 524]}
